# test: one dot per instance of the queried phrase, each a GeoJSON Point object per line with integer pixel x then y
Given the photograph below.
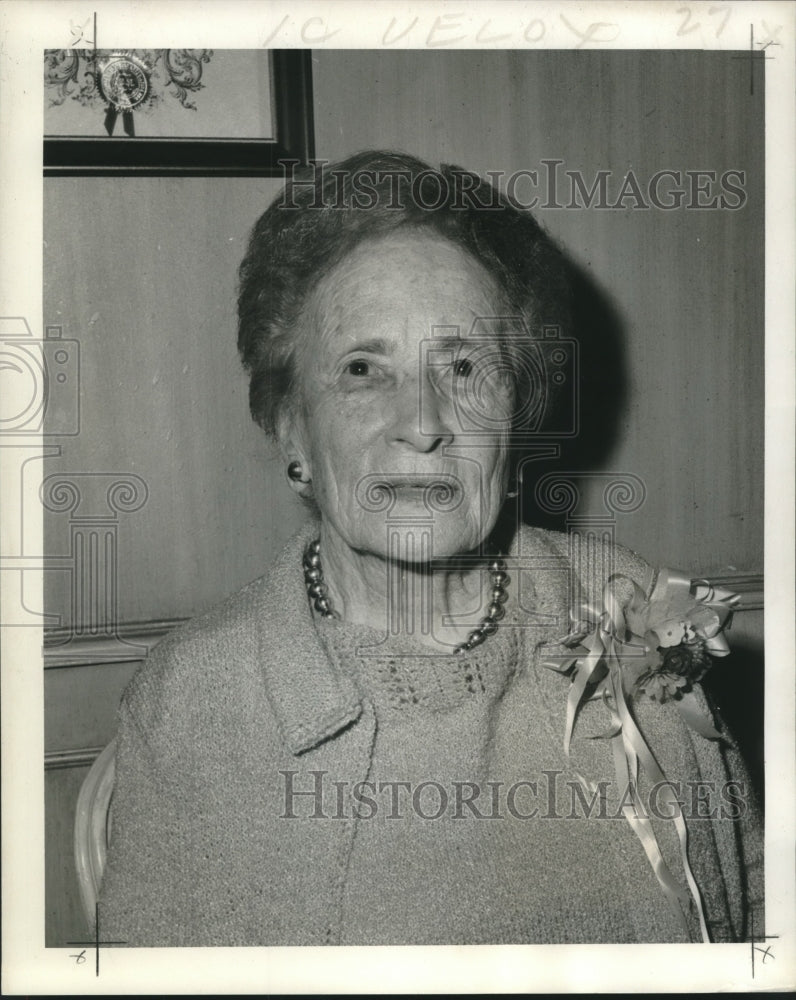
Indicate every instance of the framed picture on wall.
{"type": "Point", "coordinates": [166, 112]}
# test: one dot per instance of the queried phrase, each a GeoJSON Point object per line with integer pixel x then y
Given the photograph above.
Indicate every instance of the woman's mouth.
{"type": "Point", "coordinates": [438, 492]}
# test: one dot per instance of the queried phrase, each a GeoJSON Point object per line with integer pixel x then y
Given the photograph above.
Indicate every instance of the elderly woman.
{"type": "Point", "coordinates": [380, 741]}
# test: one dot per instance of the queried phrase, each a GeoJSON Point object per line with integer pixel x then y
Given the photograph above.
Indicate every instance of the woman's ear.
{"type": "Point", "coordinates": [294, 454]}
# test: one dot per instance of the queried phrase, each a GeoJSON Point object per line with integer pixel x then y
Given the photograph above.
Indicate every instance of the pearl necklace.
{"type": "Point", "coordinates": [316, 589]}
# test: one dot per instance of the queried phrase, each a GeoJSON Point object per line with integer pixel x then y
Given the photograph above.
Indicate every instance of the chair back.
{"type": "Point", "coordinates": [93, 829]}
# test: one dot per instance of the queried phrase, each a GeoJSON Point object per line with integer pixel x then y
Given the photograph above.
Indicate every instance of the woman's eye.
{"type": "Point", "coordinates": [358, 367]}
{"type": "Point", "coordinates": [463, 368]}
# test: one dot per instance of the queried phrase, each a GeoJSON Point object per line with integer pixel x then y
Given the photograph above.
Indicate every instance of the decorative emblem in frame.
{"type": "Point", "coordinates": [124, 80]}
{"type": "Point", "coordinates": [125, 111]}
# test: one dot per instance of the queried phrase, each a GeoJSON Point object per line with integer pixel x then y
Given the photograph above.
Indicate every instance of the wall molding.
{"type": "Point", "coordinates": [133, 641]}
{"type": "Point", "coordinates": [54, 760]}
{"type": "Point", "coordinates": [126, 644]}
{"type": "Point", "coordinates": [748, 586]}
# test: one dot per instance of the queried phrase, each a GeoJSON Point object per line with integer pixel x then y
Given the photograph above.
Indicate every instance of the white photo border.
{"type": "Point", "coordinates": [28, 967]}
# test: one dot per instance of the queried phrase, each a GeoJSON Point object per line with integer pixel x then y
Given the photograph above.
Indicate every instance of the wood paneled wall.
{"type": "Point", "coordinates": [681, 291]}
{"type": "Point", "coordinates": [142, 272]}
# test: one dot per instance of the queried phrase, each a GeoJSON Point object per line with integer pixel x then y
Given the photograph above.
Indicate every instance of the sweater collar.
{"type": "Point", "coordinates": [311, 699]}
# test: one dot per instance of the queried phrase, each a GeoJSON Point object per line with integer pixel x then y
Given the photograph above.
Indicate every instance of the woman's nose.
{"type": "Point", "coordinates": [421, 419]}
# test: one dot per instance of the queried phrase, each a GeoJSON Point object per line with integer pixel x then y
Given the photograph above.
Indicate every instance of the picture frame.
{"type": "Point", "coordinates": [120, 155]}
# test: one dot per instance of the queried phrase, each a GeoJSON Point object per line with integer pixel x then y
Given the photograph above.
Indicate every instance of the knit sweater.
{"type": "Point", "coordinates": [285, 780]}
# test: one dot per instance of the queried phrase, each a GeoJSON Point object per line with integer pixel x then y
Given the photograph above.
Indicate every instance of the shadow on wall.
{"type": "Point", "coordinates": [602, 393]}
{"type": "Point", "coordinates": [736, 684]}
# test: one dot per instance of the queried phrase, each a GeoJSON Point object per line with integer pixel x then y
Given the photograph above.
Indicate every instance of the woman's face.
{"type": "Point", "coordinates": [404, 409]}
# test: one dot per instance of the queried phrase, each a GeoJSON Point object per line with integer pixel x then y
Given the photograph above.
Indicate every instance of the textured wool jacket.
{"type": "Point", "coordinates": [282, 780]}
